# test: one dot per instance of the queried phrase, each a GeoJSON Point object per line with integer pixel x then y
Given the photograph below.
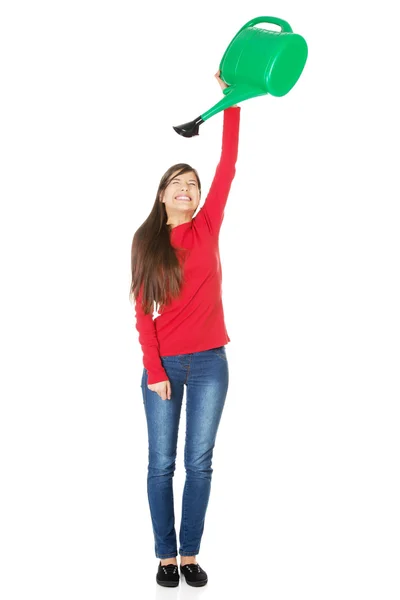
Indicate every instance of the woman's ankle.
{"type": "Point", "coordinates": [187, 560]}
{"type": "Point", "coordinates": [168, 561]}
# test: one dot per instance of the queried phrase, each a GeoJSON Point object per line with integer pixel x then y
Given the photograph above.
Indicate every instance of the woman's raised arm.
{"type": "Point", "coordinates": [213, 208]}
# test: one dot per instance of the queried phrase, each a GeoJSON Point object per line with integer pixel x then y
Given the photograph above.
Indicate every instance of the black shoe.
{"type": "Point", "coordinates": [194, 574]}
{"type": "Point", "coordinates": [168, 575]}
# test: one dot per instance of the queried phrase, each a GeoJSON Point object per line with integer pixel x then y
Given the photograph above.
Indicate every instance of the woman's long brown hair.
{"type": "Point", "coordinates": [155, 263]}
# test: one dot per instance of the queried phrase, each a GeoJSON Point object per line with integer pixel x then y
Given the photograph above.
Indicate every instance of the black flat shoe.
{"type": "Point", "coordinates": [168, 575]}
{"type": "Point", "coordinates": [194, 574]}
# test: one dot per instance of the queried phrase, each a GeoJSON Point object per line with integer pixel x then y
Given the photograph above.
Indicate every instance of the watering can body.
{"type": "Point", "coordinates": [256, 62]}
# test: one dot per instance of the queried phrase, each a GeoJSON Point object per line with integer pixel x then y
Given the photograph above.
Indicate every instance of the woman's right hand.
{"type": "Point", "coordinates": [163, 389]}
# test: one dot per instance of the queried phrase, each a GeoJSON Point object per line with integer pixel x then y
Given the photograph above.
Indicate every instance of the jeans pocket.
{"type": "Point", "coordinates": [220, 351]}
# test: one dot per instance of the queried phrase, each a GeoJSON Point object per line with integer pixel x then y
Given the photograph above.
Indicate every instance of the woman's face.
{"type": "Point", "coordinates": [182, 195]}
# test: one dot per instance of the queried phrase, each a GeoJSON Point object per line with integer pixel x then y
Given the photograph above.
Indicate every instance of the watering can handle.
{"type": "Point", "coordinates": [283, 24]}
{"type": "Point", "coordinates": [274, 20]}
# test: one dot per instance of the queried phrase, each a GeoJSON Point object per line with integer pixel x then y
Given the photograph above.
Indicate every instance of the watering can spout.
{"type": "Point", "coordinates": [233, 95]}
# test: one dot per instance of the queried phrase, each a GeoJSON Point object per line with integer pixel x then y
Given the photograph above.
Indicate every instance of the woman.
{"type": "Point", "coordinates": [176, 264]}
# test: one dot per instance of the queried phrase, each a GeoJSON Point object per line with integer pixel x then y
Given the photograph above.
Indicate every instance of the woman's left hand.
{"type": "Point", "coordinates": [222, 83]}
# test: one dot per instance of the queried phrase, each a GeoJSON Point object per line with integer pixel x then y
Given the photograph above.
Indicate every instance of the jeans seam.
{"type": "Point", "coordinates": [184, 503]}
{"type": "Point", "coordinates": [188, 369]}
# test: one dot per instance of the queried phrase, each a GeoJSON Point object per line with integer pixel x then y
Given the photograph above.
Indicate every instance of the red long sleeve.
{"type": "Point", "coordinates": [195, 321]}
{"type": "Point", "coordinates": [149, 342]}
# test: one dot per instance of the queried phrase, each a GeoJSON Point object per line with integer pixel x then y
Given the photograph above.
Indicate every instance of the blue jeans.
{"type": "Point", "coordinates": [206, 377]}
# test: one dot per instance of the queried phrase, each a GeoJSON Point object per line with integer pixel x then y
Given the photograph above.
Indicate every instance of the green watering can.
{"type": "Point", "coordinates": [256, 62]}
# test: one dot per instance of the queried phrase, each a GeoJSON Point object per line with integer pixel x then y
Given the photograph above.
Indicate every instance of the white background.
{"type": "Point", "coordinates": [305, 490]}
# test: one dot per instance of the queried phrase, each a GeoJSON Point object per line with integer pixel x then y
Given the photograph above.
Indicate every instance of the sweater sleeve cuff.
{"type": "Point", "coordinates": [156, 375]}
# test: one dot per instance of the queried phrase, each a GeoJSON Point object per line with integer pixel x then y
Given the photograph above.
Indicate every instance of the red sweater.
{"type": "Point", "coordinates": [194, 321]}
